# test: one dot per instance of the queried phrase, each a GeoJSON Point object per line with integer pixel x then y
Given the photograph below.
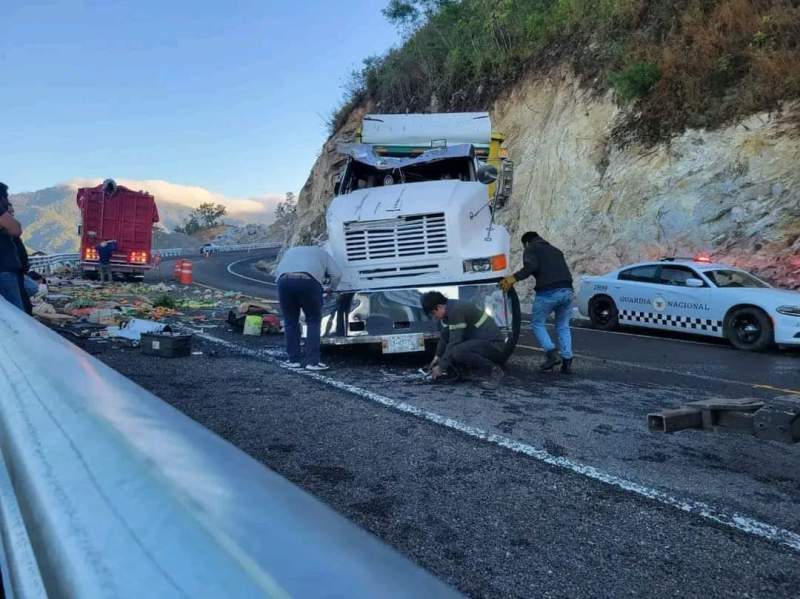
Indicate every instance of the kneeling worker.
{"type": "Point", "coordinates": [470, 338]}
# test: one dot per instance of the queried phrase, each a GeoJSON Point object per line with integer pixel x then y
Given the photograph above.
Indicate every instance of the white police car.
{"type": "Point", "coordinates": [693, 296]}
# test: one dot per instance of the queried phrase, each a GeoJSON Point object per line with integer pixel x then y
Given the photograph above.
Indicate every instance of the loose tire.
{"type": "Point", "coordinates": [749, 328]}
{"type": "Point", "coordinates": [603, 313]}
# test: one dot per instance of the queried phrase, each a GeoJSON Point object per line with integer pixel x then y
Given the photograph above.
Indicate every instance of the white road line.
{"type": "Point", "coordinates": [704, 510]}
{"type": "Point", "coordinates": [670, 371]}
{"type": "Point", "coordinates": [236, 274]}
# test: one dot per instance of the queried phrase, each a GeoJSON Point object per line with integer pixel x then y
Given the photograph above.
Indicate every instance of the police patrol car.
{"type": "Point", "coordinates": [693, 296]}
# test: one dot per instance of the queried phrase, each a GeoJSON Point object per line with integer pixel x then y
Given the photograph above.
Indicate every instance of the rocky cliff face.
{"type": "Point", "coordinates": [317, 192]}
{"type": "Point", "coordinates": [733, 193]}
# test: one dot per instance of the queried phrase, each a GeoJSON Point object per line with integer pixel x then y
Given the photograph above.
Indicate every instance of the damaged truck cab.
{"type": "Point", "coordinates": [414, 212]}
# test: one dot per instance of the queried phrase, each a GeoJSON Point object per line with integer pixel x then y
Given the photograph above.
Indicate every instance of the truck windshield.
{"type": "Point", "coordinates": [734, 278]}
{"type": "Point", "coordinates": [363, 176]}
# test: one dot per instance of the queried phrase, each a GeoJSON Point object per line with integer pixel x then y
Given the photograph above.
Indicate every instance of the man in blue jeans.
{"type": "Point", "coordinates": [10, 264]}
{"type": "Point", "coordinates": [301, 274]}
{"type": "Point", "coordinates": [553, 295]}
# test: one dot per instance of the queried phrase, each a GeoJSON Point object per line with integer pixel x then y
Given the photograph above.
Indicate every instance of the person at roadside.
{"type": "Point", "coordinates": [26, 284]}
{"type": "Point", "coordinates": [470, 338]}
{"type": "Point", "coordinates": [301, 275]}
{"type": "Point", "coordinates": [554, 294]}
{"type": "Point", "coordinates": [105, 250]}
{"type": "Point", "coordinates": [10, 265]}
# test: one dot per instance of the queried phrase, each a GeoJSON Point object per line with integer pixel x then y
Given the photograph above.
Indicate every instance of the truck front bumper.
{"type": "Point", "coordinates": [372, 317]}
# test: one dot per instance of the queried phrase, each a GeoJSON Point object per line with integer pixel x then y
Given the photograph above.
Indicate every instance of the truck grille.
{"type": "Point", "coordinates": [406, 236]}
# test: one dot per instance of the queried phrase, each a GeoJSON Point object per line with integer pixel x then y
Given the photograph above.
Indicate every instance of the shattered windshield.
{"type": "Point", "coordinates": [734, 278]}
{"type": "Point", "coordinates": [368, 169]}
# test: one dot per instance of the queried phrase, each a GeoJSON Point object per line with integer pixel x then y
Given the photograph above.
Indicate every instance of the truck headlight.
{"type": "Point", "coordinates": [492, 263]}
{"type": "Point", "coordinates": [789, 310]}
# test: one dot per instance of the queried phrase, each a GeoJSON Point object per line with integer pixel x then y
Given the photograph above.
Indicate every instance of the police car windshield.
{"type": "Point", "coordinates": [734, 278]}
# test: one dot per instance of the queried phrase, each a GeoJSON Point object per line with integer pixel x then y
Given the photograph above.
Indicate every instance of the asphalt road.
{"type": "Point", "coordinates": [230, 271]}
{"type": "Point", "coordinates": [551, 486]}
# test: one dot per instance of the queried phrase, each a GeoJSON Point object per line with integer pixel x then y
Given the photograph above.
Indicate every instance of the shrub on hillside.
{"type": "Point", "coordinates": [635, 80]}
{"type": "Point", "coordinates": [685, 63]}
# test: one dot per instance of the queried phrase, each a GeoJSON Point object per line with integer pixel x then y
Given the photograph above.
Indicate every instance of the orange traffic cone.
{"type": "Point", "coordinates": [176, 271]}
{"type": "Point", "coordinates": [186, 273]}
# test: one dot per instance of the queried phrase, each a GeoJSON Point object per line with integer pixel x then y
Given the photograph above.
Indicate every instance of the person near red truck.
{"type": "Point", "coordinates": [554, 294]}
{"type": "Point", "coordinates": [105, 250]}
{"type": "Point", "coordinates": [10, 264]}
{"type": "Point", "coordinates": [301, 274]}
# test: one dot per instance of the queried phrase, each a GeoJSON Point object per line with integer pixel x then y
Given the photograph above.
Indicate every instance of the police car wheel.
{"type": "Point", "coordinates": [749, 329]}
{"type": "Point", "coordinates": [603, 313]}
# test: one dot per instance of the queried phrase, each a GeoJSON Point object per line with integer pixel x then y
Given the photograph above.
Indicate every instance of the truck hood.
{"type": "Point", "coordinates": [379, 203]}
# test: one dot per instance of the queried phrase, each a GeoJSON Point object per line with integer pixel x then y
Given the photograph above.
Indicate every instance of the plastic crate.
{"type": "Point", "coordinates": [167, 345]}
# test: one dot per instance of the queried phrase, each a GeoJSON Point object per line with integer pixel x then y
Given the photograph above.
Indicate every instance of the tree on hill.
{"type": "Point", "coordinates": [285, 219]}
{"type": "Point", "coordinates": [206, 216]}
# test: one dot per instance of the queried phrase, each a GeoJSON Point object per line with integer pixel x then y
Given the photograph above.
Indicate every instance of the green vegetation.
{"type": "Point", "coordinates": [635, 80]}
{"type": "Point", "coordinates": [285, 219]}
{"type": "Point", "coordinates": [684, 63]}
{"type": "Point", "coordinates": [165, 301]}
{"type": "Point", "coordinates": [206, 216]}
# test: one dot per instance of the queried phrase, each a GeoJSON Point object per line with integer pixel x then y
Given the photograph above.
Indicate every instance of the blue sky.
{"type": "Point", "coordinates": [230, 96]}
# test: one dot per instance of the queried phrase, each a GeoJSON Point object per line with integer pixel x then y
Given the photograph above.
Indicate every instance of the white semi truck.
{"type": "Point", "coordinates": [414, 212]}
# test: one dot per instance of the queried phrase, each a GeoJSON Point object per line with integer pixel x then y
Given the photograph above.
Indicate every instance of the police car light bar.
{"type": "Point", "coordinates": [696, 258]}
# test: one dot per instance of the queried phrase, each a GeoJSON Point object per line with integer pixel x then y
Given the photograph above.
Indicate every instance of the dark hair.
{"type": "Point", "coordinates": [529, 236]}
{"type": "Point", "coordinates": [3, 191]}
{"type": "Point", "coordinates": [432, 299]}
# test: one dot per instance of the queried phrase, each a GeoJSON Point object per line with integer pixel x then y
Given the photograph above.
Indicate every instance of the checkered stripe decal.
{"type": "Point", "coordinates": [680, 322]}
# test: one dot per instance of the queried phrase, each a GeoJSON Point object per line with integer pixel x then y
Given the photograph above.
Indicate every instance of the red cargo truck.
{"type": "Point", "coordinates": [111, 211]}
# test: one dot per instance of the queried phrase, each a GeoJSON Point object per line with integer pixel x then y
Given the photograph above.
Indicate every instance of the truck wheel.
{"type": "Point", "coordinates": [516, 323]}
{"type": "Point", "coordinates": [603, 313]}
{"type": "Point", "coordinates": [748, 328]}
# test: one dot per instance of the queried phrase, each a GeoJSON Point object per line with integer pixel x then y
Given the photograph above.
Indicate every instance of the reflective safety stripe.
{"type": "Point", "coordinates": [463, 325]}
{"type": "Point", "coordinates": [481, 320]}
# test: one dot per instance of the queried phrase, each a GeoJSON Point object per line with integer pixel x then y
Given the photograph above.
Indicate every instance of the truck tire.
{"type": "Point", "coordinates": [603, 313]}
{"type": "Point", "coordinates": [748, 328]}
{"type": "Point", "coordinates": [516, 323]}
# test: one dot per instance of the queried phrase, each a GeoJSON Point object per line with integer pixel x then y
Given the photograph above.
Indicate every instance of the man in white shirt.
{"type": "Point", "coordinates": [301, 275]}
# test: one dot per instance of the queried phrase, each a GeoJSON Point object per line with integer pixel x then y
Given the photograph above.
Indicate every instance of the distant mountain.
{"type": "Point", "coordinates": [50, 216]}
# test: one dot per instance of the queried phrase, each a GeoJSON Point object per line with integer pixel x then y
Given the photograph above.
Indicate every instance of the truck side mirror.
{"type": "Point", "coordinates": [337, 183]}
{"type": "Point", "coordinates": [505, 184]}
{"type": "Point", "coordinates": [487, 174]}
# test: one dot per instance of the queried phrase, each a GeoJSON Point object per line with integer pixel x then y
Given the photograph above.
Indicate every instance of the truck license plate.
{"type": "Point", "coordinates": [398, 344]}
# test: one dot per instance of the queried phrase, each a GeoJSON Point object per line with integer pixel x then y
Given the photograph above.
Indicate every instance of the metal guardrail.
{"type": "Point", "coordinates": [247, 247]}
{"type": "Point", "coordinates": [105, 490]}
{"type": "Point", "coordinates": [48, 264]}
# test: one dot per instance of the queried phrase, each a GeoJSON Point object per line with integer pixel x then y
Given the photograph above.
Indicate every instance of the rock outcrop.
{"type": "Point", "coordinates": [733, 193]}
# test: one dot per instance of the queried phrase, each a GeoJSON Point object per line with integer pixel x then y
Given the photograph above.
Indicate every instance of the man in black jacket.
{"type": "Point", "coordinates": [553, 294]}
{"type": "Point", "coordinates": [470, 338]}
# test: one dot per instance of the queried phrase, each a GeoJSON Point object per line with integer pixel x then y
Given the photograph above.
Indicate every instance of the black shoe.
{"type": "Point", "coordinates": [553, 359]}
{"type": "Point", "coordinates": [566, 366]}
{"type": "Point", "coordinates": [492, 382]}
